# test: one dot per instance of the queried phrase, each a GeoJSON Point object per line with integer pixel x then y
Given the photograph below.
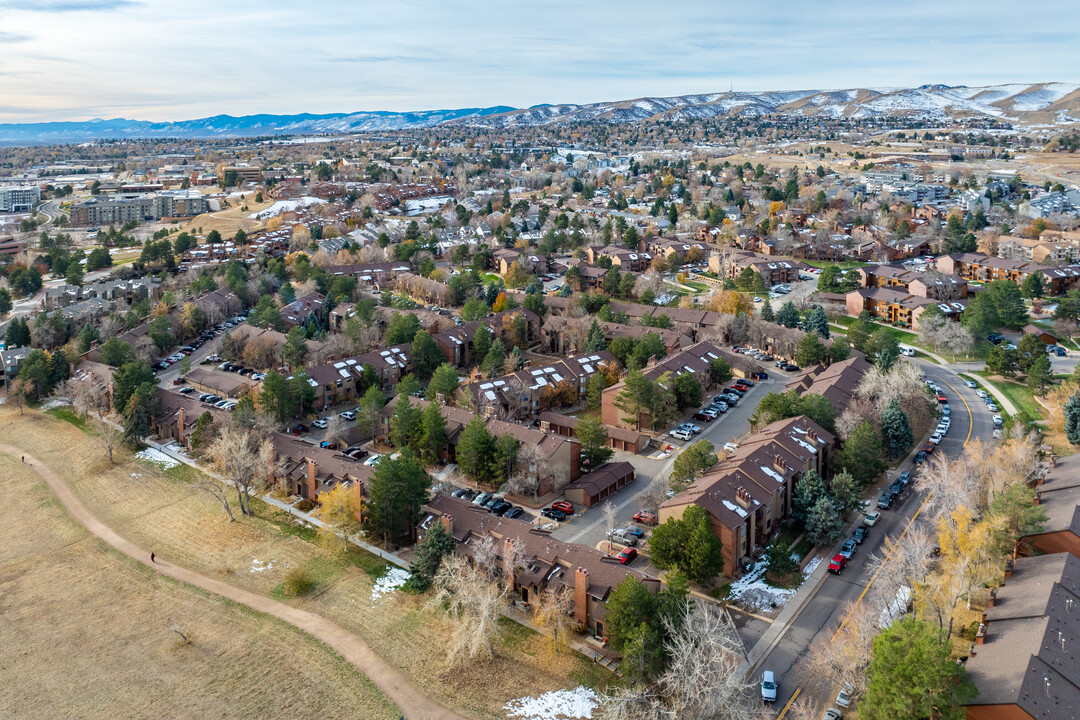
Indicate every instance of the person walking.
{"type": "Point", "coordinates": [152, 558]}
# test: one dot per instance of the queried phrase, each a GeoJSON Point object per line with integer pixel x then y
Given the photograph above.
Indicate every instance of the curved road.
{"type": "Point", "coordinates": [821, 616]}
{"type": "Point", "coordinates": [412, 703]}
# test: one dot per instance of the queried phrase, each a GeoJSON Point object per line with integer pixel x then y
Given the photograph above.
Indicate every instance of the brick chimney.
{"type": "Point", "coordinates": [980, 635]}
{"type": "Point", "coordinates": [312, 482]}
{"type": "Point", "coordinates": [812, 435]}
{"type": "Point", "coordinates": [581, 596]}
{"type": "Point", "coordinates": [742, 496]}
{"type": "Point", "coordinates": [448, 523]}
{"type": "Point", "coordinates": [1038, 499]}
{"type": "Point", "coordinates": [180, 426]}
{"type": "Point", "coordinates": [779, 465]}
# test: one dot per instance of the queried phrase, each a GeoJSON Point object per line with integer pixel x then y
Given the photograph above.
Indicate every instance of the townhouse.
{"type": "Point", "coordinates": [1059, 497]}
{"type": "Point", "coordinates": [1039, 251]}
{"type": "Point", "coordinates": [554, 460]}
{"type": "Point", "coordinates": [983, 268]}
{"type": "Point", "coordinates": [309, 309]}
{"type": "Point", "coordinates": [626, 259]}
{"type": "Point", "coordinates": [457, 345]}
{"type": "Point", "coordinates": [1024, 660]}
{"type": "Point", "coordinates": [748, 494]}
{"type": "Point", "coordinates": [376, 274]}
{"type": "Point", "coordinates": [532, 390]}
{"type": "Point", "coordinates": [559, 334]}
{"type": "Point", "coordinates": [774, 271]}
{"type": "Point", "coordinates": [899, 308]}
{"type": "Point", "coordinates": [837, 382]}
{"type": "Point", "coordinates": [308, 471]}
{"type": "Point", "coordinates": [178, 414]}
{"type": "Point", "coordinates": [677, 250]}
{"type": "Point", "coordinates": [546, 563]}
{"type": "Point", "coordinates": [342, 381]}
{"type": "Point", "coordinates": [530, 262]}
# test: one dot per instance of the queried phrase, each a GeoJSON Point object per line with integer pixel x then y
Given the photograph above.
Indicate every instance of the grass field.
{"type": "Point", "coordinates": [161, 510]}
{"type": "Point", "coordinates": [843, 265]}
{"type": "Point", "coordinates": [92, 634]}
{"type": "Point", "coordinates": [1028, 409]}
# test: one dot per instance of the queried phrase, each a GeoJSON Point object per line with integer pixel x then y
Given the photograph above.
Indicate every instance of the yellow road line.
{"type": "Point", "coordinates": [971, 418]}
{"type": "Point", "coordinates": [865, 590]}
{"type": "Point", "coordinates": [748, 614]}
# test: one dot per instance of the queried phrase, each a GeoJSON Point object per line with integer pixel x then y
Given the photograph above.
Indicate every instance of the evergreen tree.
{"type": "Point", "coordinates": [406, 424]}
{"type": "Point", "coordinates": [495, 359]}
{"type": "Point", "coordinates": [767, 313]}
{"type": "Point", "coordinates": [896, 430]}
{"type": "Point", "coordinates": [433, 438]}
{"type": "Point", "coordinates": [817, 322]}
{"type": "Point", "coordinates": [436, 544]}
{"type": "Point", "coordinates": [810, 350]}
{"type": "Point", "coordinates": [426, 355]}
{"type": "Point", "coordinates": [862, 454]}
{"type": "Point", "coordinates": [1040, 376]}
{"type": "Point", "coordinates": [593, 438]}
{"type": "Point", "coordinates": [1072, 419]}
{"type": "Point", "coordinates": [399, 487]}
{"type": "Point", "coordinates": [788, 315]}
{"type": "Point", "coordinates": [823, 523]}
{"type": "Point", "coordinates": [808, 490]}
{"type": "Point", "coordinates": [845, 492]}
{"type": "Point", "coordinates": [475, 450]}
{"type": "Point", "coordinates": [444, 381]}
{"type": "Point", "coordinates": [594, 341]}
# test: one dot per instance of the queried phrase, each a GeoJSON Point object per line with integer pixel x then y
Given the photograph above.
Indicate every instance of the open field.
{"type": "Point", "coordinates": [92, 634]}
{"type": "Point", "coordinates": [161, 510]}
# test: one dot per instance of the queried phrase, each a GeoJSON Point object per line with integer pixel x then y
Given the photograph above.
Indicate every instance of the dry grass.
{"type": "Point", "coordinates": [159, 510]}
{"type": "Point", "coordinates": [90, 634]}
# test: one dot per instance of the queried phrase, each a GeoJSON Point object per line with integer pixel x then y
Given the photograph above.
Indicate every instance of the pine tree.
{"type": "Point", "coordinates": [430, 551]}
{"type": "Point", "coordinates": [788, 315]}
{"type": "Point", "coordinates": [594, 341]}
{"type": "Point", "coordinates": [823, 524]}
{"type": "Point", "coordinates": [434, 432]}
{"type": "Point", "coordinates": [817, 322]}
{"type": "Point", "coordinates": [767, 313]}
{"type": "Point", "coordinates": [1072, 419]}
{"type": "Point", "coordinates": [896, 429]}
{"type": "Point", "coordinates": [808, 490]}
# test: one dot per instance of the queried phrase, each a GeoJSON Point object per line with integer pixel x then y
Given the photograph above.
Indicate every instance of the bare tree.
{"type": "Point", "coordinates": [218, 492]}
{"type": "Point", "coordinates": [654, 495]}
{"type": "Point", "coordinates": [18, 392]}
{"type": "Point", "coordinates": [554, 613]}
{"type": "Point", "coordinates": [844, 656]}
{"type": "Point", "coordinates": [336, 429]}
{"type": "Point", "coordinates": [701, 681]}
{"type": "Point", "coordinates": [609, 511]}
{"type": "Point", "coordinates": [476, 604]}
{"type": "Point", "coordinates": [109, 437]}
{"type": "Point", "coordinates": [238, 454]}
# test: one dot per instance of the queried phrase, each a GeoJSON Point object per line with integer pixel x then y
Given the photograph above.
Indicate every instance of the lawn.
{"type": "Point", "coordinates": [162, 510]}
{"type": "Point", "coordinates": [118, 628]}
{"type": "Point", "coordinates": [700, 287]}
{"type": "Point", "coordinates": [1028, 409]}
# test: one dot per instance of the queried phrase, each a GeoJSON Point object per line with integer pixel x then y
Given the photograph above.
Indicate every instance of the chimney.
{"type": "Point", "coordinates": [742, 496]}
{"type": "Point", "coordinates": [581, 596]}
{"type": "Point", "coordinates": [812, 435]}
{"type": "Point", "coordinates": [312, 483]}
{"type": "Point", "coordinates": [448, 523]}
{"type": "Point", "coordinates": [779, 465]}
{"type": "Point", "coordinates": [180, 426]}
{"type": "Point", "coordinates": [440, 398]}
{"type": "Point", "coordinates": [1008, 568]}
{"type": "Point", "coordinates": [992, 599]}
{"type": "Point", "coordinates": [980, 636]}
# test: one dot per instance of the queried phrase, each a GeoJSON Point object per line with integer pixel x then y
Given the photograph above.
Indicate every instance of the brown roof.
{"type": "Point", "coordinates": [602, 478]}
{"type": "Point", "coordinates": [219, 381]}
{"type": "Point", "coordinates": [621, 434]}
{"type": "Point", "coordinates": [549, 561]}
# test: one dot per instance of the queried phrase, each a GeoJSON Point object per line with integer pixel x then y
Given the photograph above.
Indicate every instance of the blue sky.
{"type": "Point", "coordinates": [181, 59]}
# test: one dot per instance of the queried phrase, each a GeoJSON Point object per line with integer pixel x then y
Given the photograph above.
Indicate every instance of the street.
{"type": "Point", "coordinates": [821, 616]}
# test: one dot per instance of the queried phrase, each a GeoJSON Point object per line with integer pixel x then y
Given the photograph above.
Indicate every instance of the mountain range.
{"type": "Point", "coordinates": [1038, 104]}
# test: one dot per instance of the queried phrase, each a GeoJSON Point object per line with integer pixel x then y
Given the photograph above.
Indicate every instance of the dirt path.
{"type": "Point", "coordinates": [413, 704]}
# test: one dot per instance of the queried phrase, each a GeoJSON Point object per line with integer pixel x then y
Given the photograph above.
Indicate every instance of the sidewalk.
{"type": "Point", "coordinates": [1003, 401]}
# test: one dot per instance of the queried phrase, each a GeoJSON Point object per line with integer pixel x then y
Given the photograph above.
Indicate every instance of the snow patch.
{"type": "Point", "coordinates": [811, 566]}
{"type": "Point", "coordinates": [155, 456]}
{"type": "Point", "coordinates": [752, 592]}
{"type": "Point", "coordinates": [258, 565]}
{"type": "Point", "coordinates": [555, 705]}
{"type": "Point", "coordinates": [53, 403]}
{"type": "Point", "coordinates": [388, 583]}
{"type": "Point", "coordinates": [286, 206]}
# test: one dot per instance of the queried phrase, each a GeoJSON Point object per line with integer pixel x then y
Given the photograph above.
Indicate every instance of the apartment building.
{"type": "Point", "coordinates": [774, 271]}
{"type": "Point", "coordinates": [983, 268]}
{"type": "Point", "coordinates": [19, 198]}
{"type": "Point", "coordinates": [1041, 251]}
{"type": "Point", "coordinates": [531, 390]}
{"type": "Point", "coordinates": [124, 207]}
{"type": "Point", "coordinates": [748, 495]}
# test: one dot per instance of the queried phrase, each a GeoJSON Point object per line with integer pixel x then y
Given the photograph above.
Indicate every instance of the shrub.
{"type": "Point", "coordinates": [304, 505]}
{"type": "Point", "coordinates": [297, 582]}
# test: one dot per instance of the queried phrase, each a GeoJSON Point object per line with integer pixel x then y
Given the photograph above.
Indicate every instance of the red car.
{"type": "Point", "coordinates": [627, 556]}
{"type": "Point", "coordinates": [645, 518]}
{"type": "Point", "coordinates": [941, 398]}
{"type": "Point", "coordinates": [837, 564]}
{"type": "Point", "coordinates": [928, 447]}
{"type": "Point", "coordinates": [564, 506]}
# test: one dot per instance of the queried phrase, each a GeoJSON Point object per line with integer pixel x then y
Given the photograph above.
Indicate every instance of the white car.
{"type": "Point", "coordinates": [349, 415]}
{"type": "Point", "coordinates": [768, 686]}
{"type": "Point", "coordinates": [373, 460]}
{"type": "Point", "coordinates": [942, 430]}
{"type": "Point", "coordinates": [981, 393]}
{"type": "Point", "coordinates": [870, 519]}
{"type": "Point", "coordinates": [935, 438]}
{"type": "Point", "coordinates": [845, 696]}
{"type": "Point", "coordinates": [731, 447]}
{"type": "Point", "coordinates": [909, 352]}
{"type": "Point", "coordinates": [321, 423]}
{"type": "Point", "coordinates": [681, 434]}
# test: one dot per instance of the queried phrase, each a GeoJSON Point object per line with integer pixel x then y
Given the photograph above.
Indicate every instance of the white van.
{"type": "Point", "coordinates": [908, 351]}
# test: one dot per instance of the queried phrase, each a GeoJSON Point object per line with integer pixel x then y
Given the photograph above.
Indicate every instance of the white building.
{"type": "Point", "coordinates": [20, 198]}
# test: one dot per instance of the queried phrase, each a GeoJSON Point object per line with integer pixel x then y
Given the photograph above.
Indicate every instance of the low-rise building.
{"type": "Point", "coordinates": [896, 307]}
{"type": "Point", "coordinates": [19, 198]}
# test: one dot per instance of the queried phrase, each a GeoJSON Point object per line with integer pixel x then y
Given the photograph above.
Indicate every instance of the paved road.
{"type": "Point", "coordinates": [820, 618]}
{"type": "Point", "coordinates": [51, 210]}
{"type": "Point", "coordinates": [411, 702]}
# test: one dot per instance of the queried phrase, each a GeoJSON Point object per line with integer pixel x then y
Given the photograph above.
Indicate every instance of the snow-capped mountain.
{"type": "Point", "coordinates": [1042, 103]}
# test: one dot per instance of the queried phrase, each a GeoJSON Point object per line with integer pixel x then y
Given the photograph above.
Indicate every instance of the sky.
{"type": "Point", "coordinates": [182, 59]}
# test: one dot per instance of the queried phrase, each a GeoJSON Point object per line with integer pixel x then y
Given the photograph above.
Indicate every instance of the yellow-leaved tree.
{"type": "Point", "coordinates": [340, 509]}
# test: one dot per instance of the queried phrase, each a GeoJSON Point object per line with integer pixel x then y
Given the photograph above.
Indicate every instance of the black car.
{"type": "Point", "coordinates": [514, 512]}
{"type": "Point", "coordinates": [789, 367]}
{"type": "Point", "coordinates": [500, 507]}
{"type": "Point", "coordinates": [735, 391]}
{"type": "Point", "coordinates": [920, 456]}
{"type": "Point", "coordinates": [885, 500]}
{"type": "Point", "coordinates": [860, 534]}
{"type": "Point", "coordinates": [552, 513]}
{"type": "Point", "coordinates": [896, 488]}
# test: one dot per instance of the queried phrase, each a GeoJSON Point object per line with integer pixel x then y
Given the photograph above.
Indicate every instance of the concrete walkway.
{"type": "Point", "coordinates": [413, 704]}
{"type": "Point", "coordinates": [1003, 401]}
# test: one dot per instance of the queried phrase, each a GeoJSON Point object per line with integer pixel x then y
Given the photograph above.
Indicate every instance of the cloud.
{"type": "Point", "coordinates": [10, 37]}
{"type": "Point", "coordinates": [62, 6]}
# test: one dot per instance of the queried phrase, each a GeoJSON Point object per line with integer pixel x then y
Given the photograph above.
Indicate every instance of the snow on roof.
{"type": "Point", "coordinates": [734, 508]}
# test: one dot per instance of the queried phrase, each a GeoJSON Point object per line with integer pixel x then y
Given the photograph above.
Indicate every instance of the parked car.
{"type": "Point", "coordinates": [920, 456]}
{"type": "Point", "coordinates": [981, 393]}
{"type": "Point", "coordinates": [704, 415]}
{"type": "Point", "coordinates": [837, 564]}
{"type": "Point", "coordinates": [500, 507]}
{"type": "Point", "coordinates": [635, 531]}
{"type": "Point", "coordinates": [564, 506]}
{"type": "Point", "coordinates": [681, 434]}
{"type": "Point", "coordinates": [514, 512]}
{"type": "Point", "coordinates": [645, 518]}
{"type": "Point", "coordinates": [553, 514]}
{"type": "Point", "coordinates": [871, 519]}
{"type": "Point", "coordinates": [627, 556]}
{"type": "Point", "coordinates": [860, 534]}
{"type": "Point", "coordinates": [971, 384]}
{"type": "Point", "coordinates": [904, 478]}
{"type": "Point", "coordinates": [768, 686]}
{"type": "Point", "coordinates": [850, 548]}
{"type": "Point", "coordinates": [623, 538]}
{"type": "Point", "coordinates": [885, 500]}
{"type": "Point", "coordinates": [896, 488]}
{"type": "Point", "coordinates": [832, 714]}
{"type": "Point", "coordinates": [321, 423]}
{"type": "Point", "coordinates": [186, 391]}
{"type": "Point", "coordinates": [373, 460]}
{"type": "Point", "coordinates": [935, 438]}
{"type": "Point", "coordinates": [998, 421]}
{"type": "Point", "coordinates": [946, 410]}
{"type": "Point", "coordinates": [349, 415]}
{"type": "Point", "coordinates": [845, 696]}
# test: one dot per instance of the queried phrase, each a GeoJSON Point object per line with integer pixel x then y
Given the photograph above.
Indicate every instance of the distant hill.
{"type": "Point", "coordinates": [1042, 103]}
